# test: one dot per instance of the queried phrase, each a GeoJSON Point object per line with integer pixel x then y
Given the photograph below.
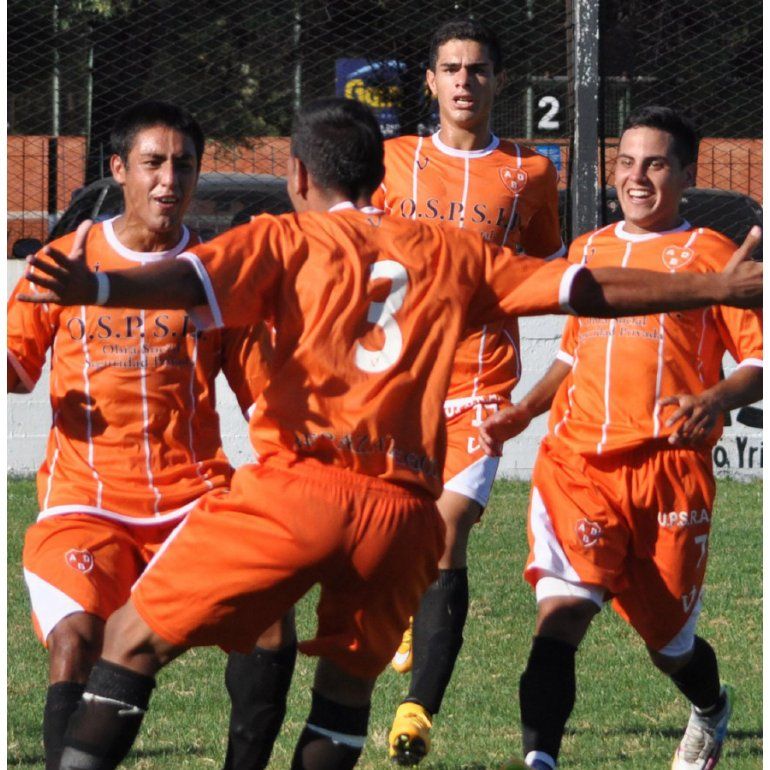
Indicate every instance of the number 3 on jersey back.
{"type": "Point", "coordinates": [381, 314]}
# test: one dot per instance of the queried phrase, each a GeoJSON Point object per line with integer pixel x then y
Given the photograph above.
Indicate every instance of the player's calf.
{"type": "Point", "coordinates": [258, 685]}
{"type": "Point", "coordinates": [74, 645]}
{"type": "Point", "coordinates": [107, 721]}
{"type": "Point", "coordinates": [334, 736]}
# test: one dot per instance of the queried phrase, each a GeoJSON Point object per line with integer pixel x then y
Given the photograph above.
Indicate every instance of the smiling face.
{"type": "Point", "coordinates": [158, 179]}
{"type": "Point", "coordinates": [464, 83]}
{"type": "Point", "coordinates": [650, 180]}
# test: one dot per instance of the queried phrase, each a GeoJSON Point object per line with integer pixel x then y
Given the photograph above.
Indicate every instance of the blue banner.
{"type": "Point", "coordinates": [375, 83]}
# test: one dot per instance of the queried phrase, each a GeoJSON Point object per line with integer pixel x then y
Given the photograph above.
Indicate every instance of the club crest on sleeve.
{"type": "Point", "coordinates": [675, 257]}
{"type": "Point", "coordinates": [80, 560]}
{"type": "Point", "coordinates": [588, 532]}
{"type": "Point", "coordinates": [515, 179]}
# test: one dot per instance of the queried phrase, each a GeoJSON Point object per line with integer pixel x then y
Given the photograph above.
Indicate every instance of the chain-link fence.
{"type": "Point", "coordinates": [704, 58]}
{"type": "Point", "coordinates": [241, 68]}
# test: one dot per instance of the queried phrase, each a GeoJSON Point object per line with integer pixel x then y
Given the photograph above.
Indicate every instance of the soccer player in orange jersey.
{"type": "Point", "coordinates": [135, 439]}
{"type": "Point", "coordinates": [349, 430]}
{"type": "Point", "coordinates": [463, 176]}
{"type": "Point", "coordinates": [623, 488]}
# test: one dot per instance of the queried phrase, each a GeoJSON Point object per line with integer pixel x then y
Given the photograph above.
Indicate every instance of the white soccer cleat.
{"type": "Point", "coordinates": [701, 745]}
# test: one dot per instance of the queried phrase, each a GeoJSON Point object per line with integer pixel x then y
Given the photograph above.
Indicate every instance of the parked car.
{"type": "Point", "coordinates": [727, 212]}
{"type": "Point", "coordinates": [221, 201]}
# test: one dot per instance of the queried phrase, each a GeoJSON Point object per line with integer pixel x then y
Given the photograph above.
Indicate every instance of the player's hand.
{"type": "Point", "coordinates": [501, 426]}
{"type": "Point", "coordinates": [63, 279]}
{"type": "Point", "coordinates": [696, 415]}
{"type": "Point", "coordinates": [743, 274]}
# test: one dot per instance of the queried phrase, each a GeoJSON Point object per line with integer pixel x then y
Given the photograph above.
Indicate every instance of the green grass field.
{"type": "Point", "coordinates": [627, 716]}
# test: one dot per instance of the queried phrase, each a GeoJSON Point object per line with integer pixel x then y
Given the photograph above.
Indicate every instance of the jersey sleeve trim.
{"type": "Point", "coordinates": [562, 355]}
{"type": "Point", "coordinates": [24, 378]}
{"type": "Point", "coordinates": [204, 316]}
{"type": "Point", "coordinates": [751, 362]}
{"type": "Point", "coordinates": [560, 252]}
{"type": "Point", "coordinates": [565, 287]}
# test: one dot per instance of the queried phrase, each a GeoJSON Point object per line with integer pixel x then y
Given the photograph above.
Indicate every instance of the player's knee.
{"type": "Point", "coordinates": [565, 618]}
{"type": "Point", "coordinates": [280, 634]}
{"type": "Point", "coordinates": [74, 645]}
{"type": "Point", "coordinates": [130, 642]}
{"type": "Point", "coordinates": [669, 664]}
{"type": "Point", "coordinates": [339, 686]}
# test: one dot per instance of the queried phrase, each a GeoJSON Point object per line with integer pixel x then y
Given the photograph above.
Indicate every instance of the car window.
{"type": "Point", "coordinates": [218, 204]}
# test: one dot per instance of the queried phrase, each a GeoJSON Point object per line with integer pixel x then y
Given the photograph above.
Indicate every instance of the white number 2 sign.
{"type": "Point", "coordinates": [547, 122]}
{"type": "Point", "coordinates": [381, 314]}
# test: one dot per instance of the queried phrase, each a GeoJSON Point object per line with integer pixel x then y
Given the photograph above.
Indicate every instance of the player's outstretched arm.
{"type": "Point", "coordinates": [514, 419]}
{"type": "Point", "coordinates": [66, 279]}
{"type": "Point", "coordinates": [609, 291]}
{"type": "Point", "coordinates": [696, 414]}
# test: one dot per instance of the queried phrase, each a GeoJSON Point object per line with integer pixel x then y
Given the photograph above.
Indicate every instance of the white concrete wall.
{"type": "Point", "coordinates": [738, 454]}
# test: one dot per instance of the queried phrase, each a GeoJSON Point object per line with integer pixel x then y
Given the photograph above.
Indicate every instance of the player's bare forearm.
{"type": "Point", "coordinates": [172, 284]}
{"type": "Point", "coordinates": [513, 420]}
{"type": "Point", "coordinates": [614, 291]}
{"type": "Point", "coordinates": [66, 279]}
{"type": "Point", "coordinates": [606, 292]}
{"type": "Point", "coordinates": [741, 388]}
{"type": "Point", "coordinates": [538, 400]}
{"type": "Point", "coordinates": [14, 383]}
{"type": "Point", "coordinates": [696, 414]}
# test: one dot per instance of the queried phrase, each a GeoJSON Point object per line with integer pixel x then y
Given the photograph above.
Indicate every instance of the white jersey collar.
{"type": "Point", "coordinates": [344, 205]}
{"type": "Point", "coordinates": [447, 150]}
{"type": "Point", "coordinates": [143, 256]}
{"type": "Point", "coordinates": [623, 234]}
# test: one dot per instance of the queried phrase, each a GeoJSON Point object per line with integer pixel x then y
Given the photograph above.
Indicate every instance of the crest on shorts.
{"type": "Point", "coordinates": [588, 532]}
{"type": "Point", "coordinates": [675, 257]}
{"type": "Point", "coordinates": [515, 179]}
{"type": "Point", "coordinates": [80, 560]}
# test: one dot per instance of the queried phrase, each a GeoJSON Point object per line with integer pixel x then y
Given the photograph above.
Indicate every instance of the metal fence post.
{"type": "Point", "coordinates": [585, 147]}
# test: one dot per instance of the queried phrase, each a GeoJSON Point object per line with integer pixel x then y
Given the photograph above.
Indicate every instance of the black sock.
{"type": "Point", "coordinates": [104, 727]}
{"type": "Point", "coordinates": [333, 738]}
{"type": "Point", "coordinates": [547, 694]}
{"type": "Point", "coordinates": [698, 680]}
{"type": "Point", "coordinates": [61, 701]}
{"type": "Point", "coordinates": [258, 685]}
{"type": "Point", "coordinates": [438, 637]}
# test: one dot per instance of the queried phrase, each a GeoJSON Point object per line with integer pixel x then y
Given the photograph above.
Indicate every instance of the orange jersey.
{"type": "Point", "coordinates": [506, 192]}
{"type": "Point", "coordinates": [622, 367]}
{"type": "Point", "coordinates": [135, 433]}
{"type": "Point", "coordinates": [368, 310]}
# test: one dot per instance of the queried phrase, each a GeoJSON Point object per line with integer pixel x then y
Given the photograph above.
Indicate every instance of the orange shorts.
{"type": "Point", "coordinates": [636, 524]}
{"type": "Point", "coordinates": [467, 470]}
{"type": "Point", "coordinates": [242, 559]}
{"type": "Point", "coordinates": [84, 563]}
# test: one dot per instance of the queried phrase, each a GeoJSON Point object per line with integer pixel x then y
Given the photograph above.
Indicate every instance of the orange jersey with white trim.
{"type": "Point", "coordinates": [622, 367]}
{"type": "Point", "coordinates": [506, 192]}
{"type": "Point", "coordinates": [135, 432]}
{"type": "Point", "coordinates": [367, 311]}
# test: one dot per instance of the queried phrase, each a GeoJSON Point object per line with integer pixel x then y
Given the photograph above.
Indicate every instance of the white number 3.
{"type": "Point", "coordinates": [381, 314]}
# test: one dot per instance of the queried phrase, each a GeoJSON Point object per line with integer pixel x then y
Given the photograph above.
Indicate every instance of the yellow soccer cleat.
{"type": "Point", "coordinates": [402, 660]}
{"type": "Point", "coordinates": [409, 739]}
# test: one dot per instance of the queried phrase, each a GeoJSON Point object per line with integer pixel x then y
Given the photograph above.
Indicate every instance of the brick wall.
{"type": "Point", "coordinates": [727, 164]}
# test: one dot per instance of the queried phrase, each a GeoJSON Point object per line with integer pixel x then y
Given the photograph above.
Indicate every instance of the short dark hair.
{"type": "Point", "coordinates": [147, 114]}
{"type": "Point", "coordinates": [340, 143]}
{"type": "Point", "coordinates": [685, 136]}
{"type": "Point", "coordinates": [466, 28]}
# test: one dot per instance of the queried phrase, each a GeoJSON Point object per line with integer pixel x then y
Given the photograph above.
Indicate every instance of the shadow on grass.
{"type": "Point", "coordinates": [445, 766]}
{"type": "Point", "coordinates": [38, 760]}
